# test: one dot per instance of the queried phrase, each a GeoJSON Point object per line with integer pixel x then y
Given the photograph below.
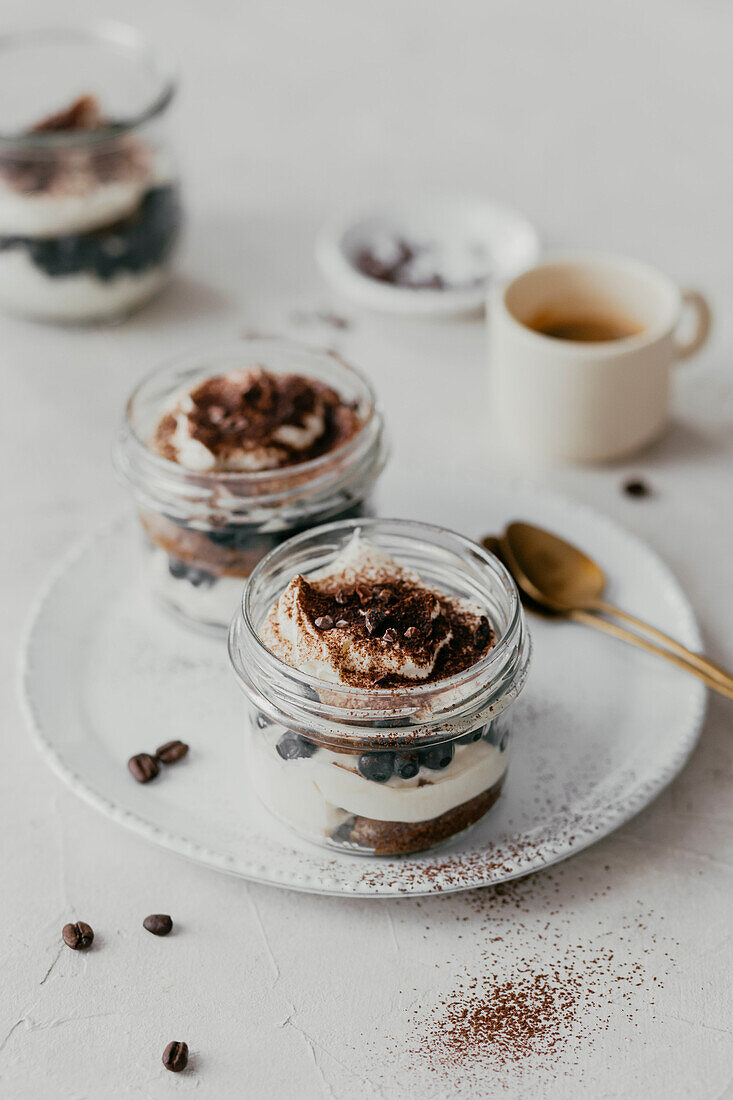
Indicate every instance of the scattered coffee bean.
{"type": "Point", "coordinates": [391, 636]}
{"type": "Point", "coordinates": [77, 936]}
{"type": "Point", "coordinates": [324, 622]}
{"type": "Point", "coordinates": [175, 1057]}
{"type": "Point", "coordinates": [342, 624]}
{"type": "Point", "coordinates": [341, 597]}
{"type": "Point", "coordinates": [384, 595]}
{"type": "Point", "coordinates": [637, 488]}
{"type": "Point", "coordinates": [143, 767]}
{"type": "Point", "coordinates": [171, 752]}
{"type": "Point", "coordinates": [376, 620]}
{"type": "Point", "coordinates": [159, 924]}
{"type": "Point", "coordinates": [411, 632]}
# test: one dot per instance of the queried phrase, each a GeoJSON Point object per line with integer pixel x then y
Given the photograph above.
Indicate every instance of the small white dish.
{"type": "Point", "coordinates": [600, 729]}
{"type": "Point", "coordinates": [475, 240]}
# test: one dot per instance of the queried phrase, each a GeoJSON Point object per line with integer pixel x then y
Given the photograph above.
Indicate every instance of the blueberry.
{"type": "Point", "coordinates": [437, 757]}
{"type": "Point", "coordinates": [377, 766]}
{"type": "Point", "coordinates": [291, 746]}
{"type": "Point", "coordinates": [233, 538]}
{"type": "Point", "coordinates": [197, 577]}
{"type": "Point", "coordinates": [342, 834]}
{"type": "Point", "coordinates": [200, 579]}
{"type": "Point", "coordinates": [223, 536]}
{"type": "Point", "coordinates": [406, 765]}
{"type": "Point", "coordinates": [470, 738]}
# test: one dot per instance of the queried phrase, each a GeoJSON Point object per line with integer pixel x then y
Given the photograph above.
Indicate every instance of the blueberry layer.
{"type": "Point", "coordinates": [144, 239]}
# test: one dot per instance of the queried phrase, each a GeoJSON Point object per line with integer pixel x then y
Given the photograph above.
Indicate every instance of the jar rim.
{"type": "Point", "coordinates": [504, 666]}
{"type": "Point", "coordinates": [119, 36]}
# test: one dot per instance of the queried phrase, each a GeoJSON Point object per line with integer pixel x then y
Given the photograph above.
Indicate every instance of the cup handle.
{"type": "Point", "coordinates": [694, 301]}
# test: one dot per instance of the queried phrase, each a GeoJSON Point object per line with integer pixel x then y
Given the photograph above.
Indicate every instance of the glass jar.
{"type": "Point", "coordinates": [89, 203]}
{"type": "Point", "coordinates": [205, 532]}
{"type": "Point", "coordinates": [382, 771]}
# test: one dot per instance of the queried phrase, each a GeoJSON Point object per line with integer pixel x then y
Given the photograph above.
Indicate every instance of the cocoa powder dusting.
{"type": "Point", "coordinates": [537, 996]}
{"type": "Point", "coordinates": [256, 411]}
{"type": "Point", "coordinates": [392, 616]}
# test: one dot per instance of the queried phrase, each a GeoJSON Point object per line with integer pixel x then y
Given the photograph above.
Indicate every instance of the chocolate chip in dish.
{"type": "Point", "coordinates": [402, 746]}
{"type": "Point", "coordinates": [230, 451]}
{"type": "Point", "coordinates": [89, 207]}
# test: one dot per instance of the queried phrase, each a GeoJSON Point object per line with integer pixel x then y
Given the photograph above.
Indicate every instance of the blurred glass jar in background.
{"type": "Point", "coordinates": [208, 521]}
{"type": "Point", "coordinates": [89, 201]}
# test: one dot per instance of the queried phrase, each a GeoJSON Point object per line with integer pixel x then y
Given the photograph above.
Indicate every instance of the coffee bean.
{"type": "Point", "coordinates": [383, 595]}
{"type": "Point", "coordinates": [341, 597]}
{"type": "Point", "coordinates": [175, 1057]}
{"type": "Point", "coordinates": [324, 622]}
{"type": "Point", "coordinates": [637, 488]}
{"type": "Point", "coordinates": [159, 924]}
{"type": "Point", "coordinates": [411, 632]}
{"type": "Point", "coordinates": [143, 767]}
{"type": "Point", "coordinates": [342, 624]}
{"type": "Point", "coordinates": [171, 752]}
{"type": "Point", "coordinates": [376, 620]}
{"type": "Point", "coordinates": [77, 936]}
{"type": "Point", "coordinates": [391, 636]}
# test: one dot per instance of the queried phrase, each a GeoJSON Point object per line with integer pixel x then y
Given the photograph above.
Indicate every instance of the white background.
{"type": "Point", "coordinates": [609, 125]}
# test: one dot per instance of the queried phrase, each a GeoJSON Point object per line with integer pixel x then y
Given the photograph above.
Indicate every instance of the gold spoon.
{"type": "Point", "coordinates": [560, 578]}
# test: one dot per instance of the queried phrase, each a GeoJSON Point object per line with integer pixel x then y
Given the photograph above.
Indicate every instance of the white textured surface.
{"type": "Point", "coordinates": [607, 125]}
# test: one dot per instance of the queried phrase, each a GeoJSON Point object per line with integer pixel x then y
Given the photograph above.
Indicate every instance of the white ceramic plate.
{"type": "Point", "coordinates": [508, 241]}
{"type": "Point", "coordinates": [600, 729]}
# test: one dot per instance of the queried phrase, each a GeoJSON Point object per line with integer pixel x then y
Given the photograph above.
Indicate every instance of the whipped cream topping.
{"type": "Point", "coordinates": [366, 621]}
{"type": "Point", "coordinates": [250, 420]}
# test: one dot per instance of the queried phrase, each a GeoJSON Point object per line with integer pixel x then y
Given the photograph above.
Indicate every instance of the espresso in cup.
{"type": "Point", "coordinates": [584, 328]}
{"type": "Point", "coordinates": [582, 350]}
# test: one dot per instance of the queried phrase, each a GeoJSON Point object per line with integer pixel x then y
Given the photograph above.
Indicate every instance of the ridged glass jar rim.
{"type": "Point", "coordinates": [106, 34]}
{"type": "Point", "coordinates": [388, 716]}
{"type": "Point", "coordinates": [163, 485]}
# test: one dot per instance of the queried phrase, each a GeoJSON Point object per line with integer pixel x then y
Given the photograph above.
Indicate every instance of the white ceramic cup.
{"type": "Point", "coordinates": [581, 401]}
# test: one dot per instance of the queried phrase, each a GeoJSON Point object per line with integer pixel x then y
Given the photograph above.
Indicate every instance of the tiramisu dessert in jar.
{"type": "Point", "coordinates": [89, 206]}
{"type": "Point", "coordinates": [232, 450]}
{"type": "Point", "coordinates": [379, 658]}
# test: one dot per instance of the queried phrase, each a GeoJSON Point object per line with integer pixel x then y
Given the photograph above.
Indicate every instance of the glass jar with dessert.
{"type": "Point", "coordinates": [379, 658]}
{"type": "Point", "coordinates": [89, 204]}
{"type": "Point", "coordinates": [233, 449]}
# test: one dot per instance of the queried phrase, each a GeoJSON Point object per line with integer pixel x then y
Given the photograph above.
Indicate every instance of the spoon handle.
{"type": "Point", "coordinates": [715, 672]}
{"type": "Point", "coordinates": [590, 618]}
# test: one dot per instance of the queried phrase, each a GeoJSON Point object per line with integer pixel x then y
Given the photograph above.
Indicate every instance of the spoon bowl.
{"type": "Point", "coordinates": [559, 577]}
{"type": "Point", "coordinates": [562, 576]}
